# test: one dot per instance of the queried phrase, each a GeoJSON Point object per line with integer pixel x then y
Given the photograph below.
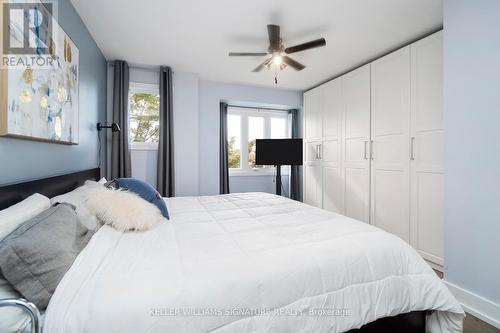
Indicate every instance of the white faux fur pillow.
{"type": "Point", "coordinates": [123, 210]}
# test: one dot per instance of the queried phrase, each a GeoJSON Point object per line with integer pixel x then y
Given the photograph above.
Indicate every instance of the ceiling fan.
{"type": "Point", "coordinates": [278, 52]}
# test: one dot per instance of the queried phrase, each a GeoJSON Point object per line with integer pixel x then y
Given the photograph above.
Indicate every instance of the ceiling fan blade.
{"type": "Point", "coordinates": [292, 63]}
{"type": "Point", "coordinates": [306, 46]}
{"type": "Point", "coordinates": [251, 54]}
{"type": "Point", "coordinates": [274, 36]}
{"type": "Point", "coordinates": [261, 66]}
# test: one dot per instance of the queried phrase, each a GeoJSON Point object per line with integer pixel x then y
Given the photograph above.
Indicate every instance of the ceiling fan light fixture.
{"type": "Point", "coordinates": [277, 59]}
{"type": "Point", "coordinates": [277, 54]}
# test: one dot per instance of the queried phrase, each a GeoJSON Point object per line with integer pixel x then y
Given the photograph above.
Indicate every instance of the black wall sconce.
{"type": "Point", "coordinates": [114, 127]}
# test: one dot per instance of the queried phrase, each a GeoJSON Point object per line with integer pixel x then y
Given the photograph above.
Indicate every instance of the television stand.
{"type": "Point", "coordinates": [278, 179]}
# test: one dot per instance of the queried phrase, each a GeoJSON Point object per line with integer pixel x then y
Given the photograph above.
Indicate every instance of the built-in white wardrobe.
{"type": "Point", "coordinates": [373, 142]}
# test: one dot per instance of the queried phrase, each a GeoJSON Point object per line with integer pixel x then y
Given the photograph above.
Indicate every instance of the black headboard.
{"type": "Point", "coordinates": [50, 187]}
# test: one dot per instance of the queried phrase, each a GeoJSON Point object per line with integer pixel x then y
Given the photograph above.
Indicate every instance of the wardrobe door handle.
{"type": "Point", "coordinates": [371, 149]}
{"type": "Point", "coordinates": [366, 150]}
{"type": "Point", "coordinates": [320, 150]}
{"type": "Point", "coordinates": [317, 152]}
{"type": "Point", "coordinates": [412, 148]}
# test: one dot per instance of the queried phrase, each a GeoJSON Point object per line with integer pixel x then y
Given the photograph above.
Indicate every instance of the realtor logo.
{"type": "Point", "coordinates": [27, 28]}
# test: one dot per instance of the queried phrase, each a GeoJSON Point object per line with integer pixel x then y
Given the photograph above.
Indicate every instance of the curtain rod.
{"type": "Point", "coordinates": [155, 69]}
{"type": "Point", "coordinates": [256, 108]}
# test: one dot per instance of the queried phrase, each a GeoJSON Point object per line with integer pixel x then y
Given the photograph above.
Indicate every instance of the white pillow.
{"type": "Point", "coordinates": [77, 198]}
{"type": "Point", "coordinates": [123, 210]}
{"type": "Point", "coordinates": [13, 319]}
{"type": "Point", "coordinates": [12, 217]}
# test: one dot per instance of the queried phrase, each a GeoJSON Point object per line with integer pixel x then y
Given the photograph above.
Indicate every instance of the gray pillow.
{"type": "Point", "coordinates": [35, 256]}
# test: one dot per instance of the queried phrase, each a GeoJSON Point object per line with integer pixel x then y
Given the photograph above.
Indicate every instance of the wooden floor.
{"type": "Point", "coordinates": [473, 324]}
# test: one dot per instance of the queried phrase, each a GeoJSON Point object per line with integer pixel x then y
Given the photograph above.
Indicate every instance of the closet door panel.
{"type": "Point", "coordinates": [428, 135]}
{"type": "Point", "coordinates": [390, 130]}
{"type": "Point", "coordinates": [313, 185]}
{"type": "Point", "coordinates": [356, 150]}
{"type": "Point", "coordinates": [390, 212]}
{"type": "Point", "coordinates": [330, 151]}
{"type": "Point", "coordinates": [332, 189]}
{"type": "Point", "coordinates": [427, 83]}
{"type": "Point", "coordinates": [428, 151]}
{"type": "Point", "coordinates": [331, 99]}
{"type": "Point", "coordinates": [357, 193]}
{"type": "Point", "coordinates": [357, 111]}
{"type": "Point", "coordinates": [312, 114]}
{"type": "Point", "coordinates": [390, 152]}
{"type": "Point", "coordinates": [429, 216]}
{"type": "Point", "coordinates": [355, 143]}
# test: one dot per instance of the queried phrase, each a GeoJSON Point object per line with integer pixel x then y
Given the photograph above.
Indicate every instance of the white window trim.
{"type": "Point", "coordinates": [145, 88]}
{"type": "Point", "coordinates": [244, 113]}
{"type": "Point", "coordinates": [143, 145]}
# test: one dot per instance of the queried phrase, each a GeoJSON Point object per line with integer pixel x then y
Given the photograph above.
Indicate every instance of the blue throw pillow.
{"type": "Point", "coordinates": [145, 191]}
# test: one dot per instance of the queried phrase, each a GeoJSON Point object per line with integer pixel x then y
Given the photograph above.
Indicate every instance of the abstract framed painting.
{"type": "Point", "coordinates": [39, 75]}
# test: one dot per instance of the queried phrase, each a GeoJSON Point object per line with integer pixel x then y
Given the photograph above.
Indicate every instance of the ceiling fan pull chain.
{"type": "Point", "coordinates": [276, 75]}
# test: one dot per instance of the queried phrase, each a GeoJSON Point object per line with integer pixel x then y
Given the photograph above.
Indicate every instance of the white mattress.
{"type": "Point", "coordinates": [247, 263]}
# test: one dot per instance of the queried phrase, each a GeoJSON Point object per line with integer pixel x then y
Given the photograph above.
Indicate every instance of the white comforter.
{"type": "Point", "coordinates": [247, 263]}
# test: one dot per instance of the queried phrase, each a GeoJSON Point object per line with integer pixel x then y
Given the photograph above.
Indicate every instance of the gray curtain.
{"type": "Point", "coordinates": [120, 153]}
{"type": "Point", "coordinates": [223, 155]}
{"type": "Point", "coordinates": [165, 170]}
{"type": "Point", "coordinates": [295, 169]}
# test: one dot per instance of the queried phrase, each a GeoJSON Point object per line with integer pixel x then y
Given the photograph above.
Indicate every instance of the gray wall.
{"type": "Point", "coordinates": [186, 134]}
{"type": "Point", "coordinates": [472, 145]}
{"type": "Point", "coordinates": [22, 159]}
{"type": "Point", "coordinates": [210, 94]}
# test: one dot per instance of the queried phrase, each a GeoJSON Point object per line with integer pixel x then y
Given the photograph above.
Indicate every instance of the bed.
{"type": "Point", "coordinates": [251, 262]}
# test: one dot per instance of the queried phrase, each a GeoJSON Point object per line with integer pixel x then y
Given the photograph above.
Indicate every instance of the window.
{"type": "Point", "coordinates": [144, 116]}
{"type": "Point", "coordinates": [234, 141]}
{"type": "Point", "coordinates": [255, 131]}
{"type": "Point", "coordinates": [245, 126]}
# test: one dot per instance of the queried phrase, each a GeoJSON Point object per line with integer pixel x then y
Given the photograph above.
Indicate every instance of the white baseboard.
{"type": "Point", "coordinates": [476, 305]}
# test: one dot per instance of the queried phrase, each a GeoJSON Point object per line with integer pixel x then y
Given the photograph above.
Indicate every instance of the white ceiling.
{"type": "Point", "coordinates": [196, 35]}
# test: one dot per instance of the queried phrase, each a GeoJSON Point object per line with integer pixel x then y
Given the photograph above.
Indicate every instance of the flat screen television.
{"type": "Point", "coordinates": [278, 152]}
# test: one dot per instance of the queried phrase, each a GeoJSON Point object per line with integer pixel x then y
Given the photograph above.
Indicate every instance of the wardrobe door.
{"type": "Point", "coordinates": [355, 143]}
{"type": "Point", "coordinates": [330, 150]}
{"type": "Point", "coordinates": [427, 147]}
{"type": "Point", "coordinates": [313, 135]}
{"type": "Point", "coordinates": [390, 178]}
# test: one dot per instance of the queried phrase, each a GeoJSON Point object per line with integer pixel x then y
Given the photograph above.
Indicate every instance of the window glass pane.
{"type": "Point", "coordinates": [144, 117]}
{"type": "Point", "coordinates": [255, 131]}
{"type": "Point", "coordinates": [278, 128]}
{"type": "Point", "coordinates": [234, 141]}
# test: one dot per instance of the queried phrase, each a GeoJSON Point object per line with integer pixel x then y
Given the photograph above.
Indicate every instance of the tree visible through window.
{"type": "Point", "coordinates": [144, 117]}
{"type": "Point", "coordinates": [234, 141]}
{"type": "Point", "coordinates": [234, 154]}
